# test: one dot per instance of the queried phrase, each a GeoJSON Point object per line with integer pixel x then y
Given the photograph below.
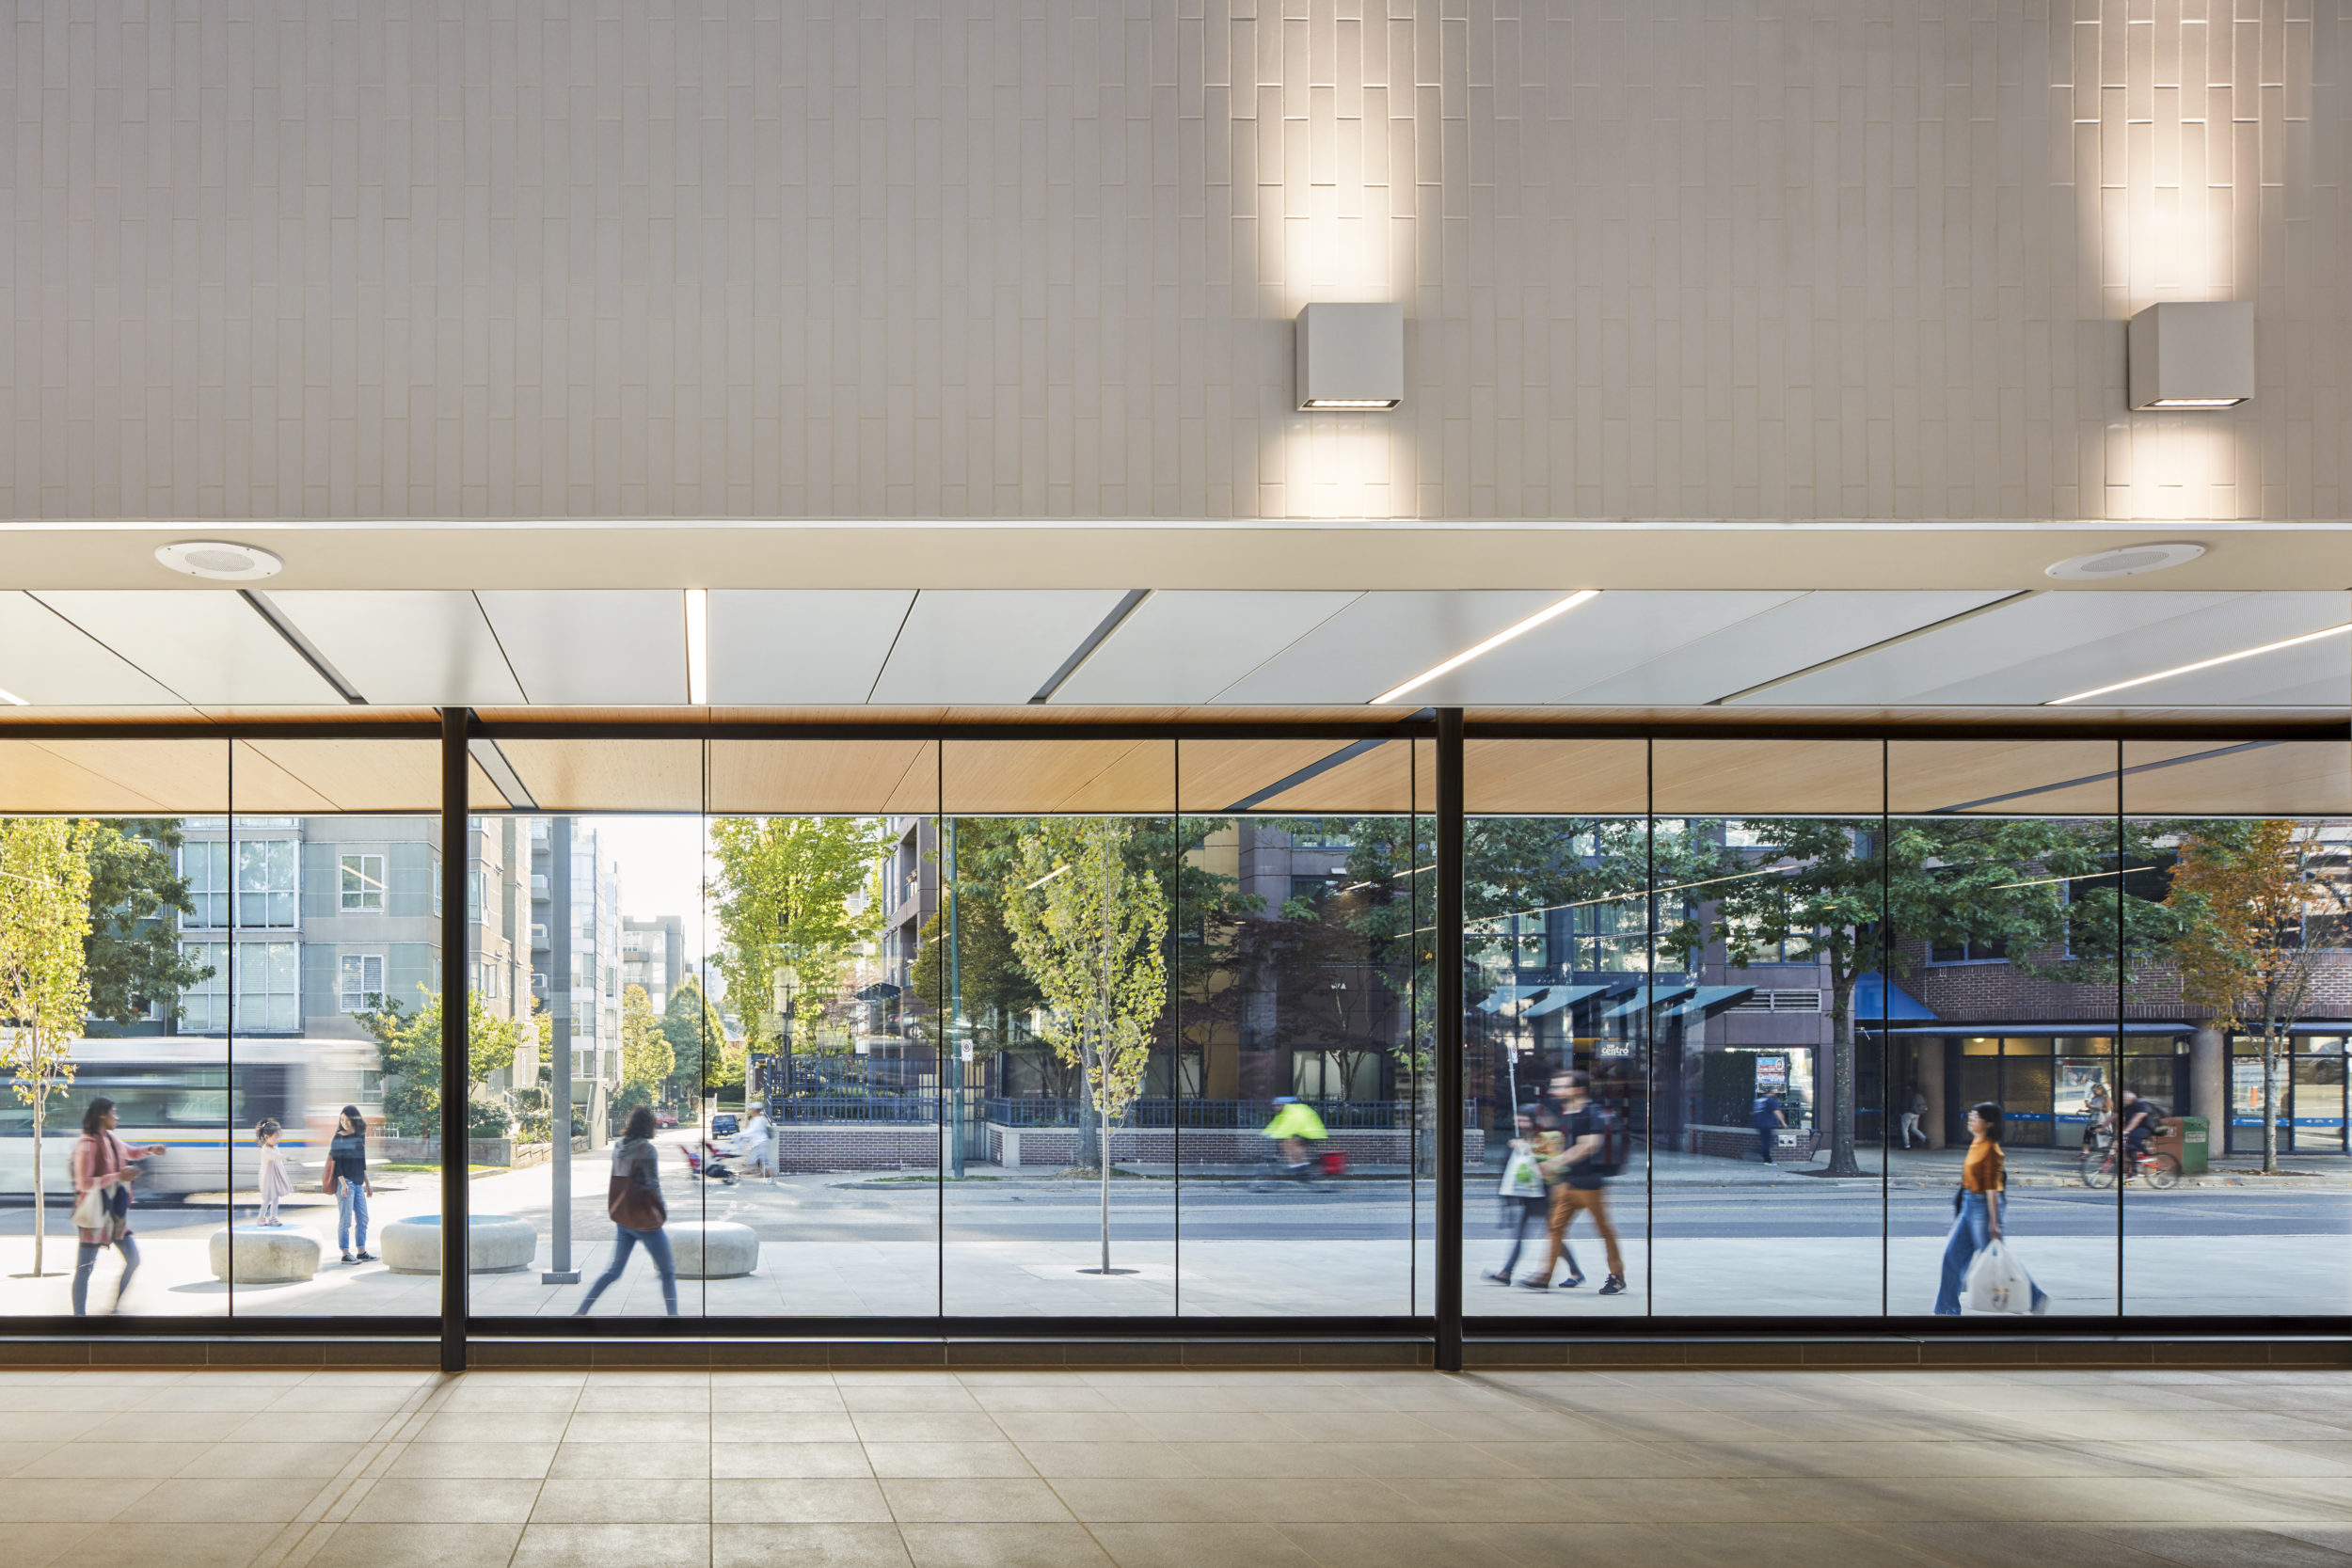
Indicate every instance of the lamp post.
{"type": "Point", "coordinates": [960, 1032]}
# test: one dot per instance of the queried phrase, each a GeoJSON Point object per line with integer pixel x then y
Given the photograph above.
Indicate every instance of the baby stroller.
{"type": "Point", "coordinates": [709, 1165]}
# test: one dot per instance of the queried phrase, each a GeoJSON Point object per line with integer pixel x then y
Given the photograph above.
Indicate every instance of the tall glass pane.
{"type": "Point", "coordinates": [1053, 1052]}
{"type": "Point", "coordinates": [1301, 956]}
{"type": "Point", "coordinates": [825, 878]}
{"type": "Point", "coordinates": [2240, 1013]}
{"type": "Point", "coordinates": [1769, 953]}
{"type": "Point", "coordinates": [1559, 1005]}
{"type": "Point", "coordinates": [122, 1000]}
{"type": "Point", "coordinates": [2003, 968]}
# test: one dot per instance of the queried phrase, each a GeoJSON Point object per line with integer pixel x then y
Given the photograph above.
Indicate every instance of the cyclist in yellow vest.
{"type": "Point", "coordinates": [1296, 1126]}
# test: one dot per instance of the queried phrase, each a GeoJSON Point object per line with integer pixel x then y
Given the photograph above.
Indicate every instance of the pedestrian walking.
{"type": "Point", "coordinates": [1977, 1209]}
{"type": "Point", "coordinates": [634, 1202]}
{"type": "Point", "coordinates": [103, 1175]}
{"type": "Point", "coordinates": [347, 1179]}
{"type": "Point", "coordinates": [1579, 1177]}
{"type": "Point", "coordinates": [1526, 1199]}
{"type": "Point", "coordinates": [273, 1183]}
{"type": "Point", "coordinates": [1766, 1118]}
{"type": "Point", "coordinates": [758, 1145]}
{"type": "Point", "coordinates": [1913, 1110]}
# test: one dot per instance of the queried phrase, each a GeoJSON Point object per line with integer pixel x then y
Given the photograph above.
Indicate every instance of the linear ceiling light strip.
{"type": "Point", "coordinates": [493, 762]}
{"type": "Point", "coordinates": [1129, 603]}
{"type": "Point", "coordinates": [1879, 646]}
{"type": "Point", "coordinates": [1496, 641]}
{"type": "Point", "coordinates": [2201, 664]}
{"type": "Point", "coordinates": [698, 646]}
{"type": "Point", "coordinates": [301, 644]}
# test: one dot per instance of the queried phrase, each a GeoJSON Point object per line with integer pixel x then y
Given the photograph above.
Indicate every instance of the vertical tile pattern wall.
{"type": "Point", "coordinates": [1849, 258]}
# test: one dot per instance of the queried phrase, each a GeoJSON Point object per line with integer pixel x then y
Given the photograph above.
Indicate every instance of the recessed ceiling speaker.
{"type": "Point", "coordinates": [2128, 562]}
{"type": "Point", "coordinates": [1350, 356]}
{"type": "Point", "coordinates": [2191, 355]}
{"type": "Point", "coordinates": [220, 560]}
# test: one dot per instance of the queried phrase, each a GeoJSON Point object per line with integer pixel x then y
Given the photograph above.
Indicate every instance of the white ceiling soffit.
{"type": "Point", "coordinates": [1384, 640]}
{"type": "Point", "coordinates": [2034, 650]}
{"type": "Point", "coordinates": [1793, 635]}
{"type": "Point", "coordinates": [215, 648]}
{"type": "Point", "coordinates": [1186, 647]}
{"type": "Point", "coordinates": [407, 649]}
{"type": "Point", "coordinates": [989, 645]}
{"type": "Point", "coordinates": [2316, 674]}
{"type": "Point", "coordinates": [819, 646]}
{"type": "Point", "coordinates": [49, 663]}
{"type": "Point", "coordinates": [1602, 637]}
{"type": "Point", "coordinates": [592, 647]}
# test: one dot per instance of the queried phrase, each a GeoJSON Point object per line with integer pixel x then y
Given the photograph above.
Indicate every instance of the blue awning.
{"type": "Point", "coordinates": [1871, 993]}
{"type": "Point", "coordinates": [1658, 996]}
{"type": "Point", "coordinates": [1558, 998]}
{"type": "Point", "coordinates": [1511, 998]}
{"type": "Point", "coordinates": [1708, 1000]}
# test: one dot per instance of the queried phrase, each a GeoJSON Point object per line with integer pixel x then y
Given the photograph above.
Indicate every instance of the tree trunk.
{"type": "Point", "coordinates": [40, 1227]}
{"type": "Point", "coordinates": [2270, 1104]}
{"type": "Point", "coordinates": [1841, 1150]}
{"type": "Point", "coordinates": [1103, 1107]}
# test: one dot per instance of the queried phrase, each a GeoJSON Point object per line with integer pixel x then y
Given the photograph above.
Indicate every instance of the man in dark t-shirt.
{"type": "Point", "coordinates": [1576, 1183]}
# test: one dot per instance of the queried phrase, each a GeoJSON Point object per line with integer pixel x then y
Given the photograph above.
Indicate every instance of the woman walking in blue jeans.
{"type": "Point", "coordinates": [347, 1167]}
{"type": "Point", "coordinates": [1977, 1209]}
{"type": "Point", "coordinates": [634, 1202]}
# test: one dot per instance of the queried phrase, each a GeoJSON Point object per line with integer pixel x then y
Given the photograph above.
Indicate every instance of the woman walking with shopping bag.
{"type": "Point", "coordinates": [102, 1199]}
{"type": "Point", "coordinates": [634, 1202]}
{"type": "Point", "coordinates": [1977, 1216]}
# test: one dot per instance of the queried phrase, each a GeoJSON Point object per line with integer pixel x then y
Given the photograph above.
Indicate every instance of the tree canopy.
{"type": "Point", "coordinates": [786, 898]}
{"type": "Point", "coordinates": [44, 974]}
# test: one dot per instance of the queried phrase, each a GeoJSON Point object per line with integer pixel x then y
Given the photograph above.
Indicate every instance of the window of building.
{"type": "Point", "coordinates": [362, 882]}
{"type": "Point", "coordinates": [204, 1007]}
{"type": "Point", "coordinates": [362, 981]}
{"type": "Point", "coordinates": [205, 867]}
{"type": "Point", "coordinates": [1980, 952]}
{"type": "Point", "coordinates": [263, 977]}
{"type": "Point", "coordinates": [266, 883]}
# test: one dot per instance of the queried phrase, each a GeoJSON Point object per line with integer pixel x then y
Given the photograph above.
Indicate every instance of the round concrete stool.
{"type": "Point", "coordinates": [263, 1256]}
{"type": "Point", "coordinates": [713, 1249]}
{"type": "Point", "coordinates": [494, 1243]}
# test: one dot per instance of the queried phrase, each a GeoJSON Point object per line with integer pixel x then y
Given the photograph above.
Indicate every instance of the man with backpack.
{"type": "Point", "coordinates": [2137, 1120]}
{"type": "Point", "coordinates": [1590, 1152]}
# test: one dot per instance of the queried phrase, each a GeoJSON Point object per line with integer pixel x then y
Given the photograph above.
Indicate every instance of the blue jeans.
{"type": "Point", "coordinates": [87, 1259]}
{"type": "Point", "coordinates": [1972, 1232]}
{"type": "Point", "coordinates": [657, 1245]}
{"type": "Point", "coordinates": [1531, 1212]}
{"type": "Point", "coordinates": [351, 1217]}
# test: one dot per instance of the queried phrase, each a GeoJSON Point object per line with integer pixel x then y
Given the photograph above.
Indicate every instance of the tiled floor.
{"type": "Point", "coordinates": [1174, 1469]}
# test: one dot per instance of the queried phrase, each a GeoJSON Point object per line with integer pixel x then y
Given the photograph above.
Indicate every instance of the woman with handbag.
{"type": "Point", "coordinates": [634, 1202]}
{"type": "Point", "coordinates": [347, 1179]}
{"type": "Point", "coordinates": [1977, 1209]}
{"type": "Point", "coordinates": [102, 1199]}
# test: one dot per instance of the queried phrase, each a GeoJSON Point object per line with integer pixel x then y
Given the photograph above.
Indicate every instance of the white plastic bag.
{"type": "Point", "coordinates": [1520, 1177]}
{"type": "Point", "coordinates": [1997, 1282]}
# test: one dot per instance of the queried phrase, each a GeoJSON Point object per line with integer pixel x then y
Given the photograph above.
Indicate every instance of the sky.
{"type": "Point", "coordinates": [660, 860]}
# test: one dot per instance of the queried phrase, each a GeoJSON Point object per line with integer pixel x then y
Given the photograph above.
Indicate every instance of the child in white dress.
{"type": "Point", "coordinates": [275, 1184]}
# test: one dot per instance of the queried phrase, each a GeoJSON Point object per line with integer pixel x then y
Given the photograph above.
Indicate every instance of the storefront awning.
{"type": "Point", "coordinates": [1557, 998]}
{"type": "Point", "coordinates": [1511, 997]}
{"type": "Point", "coordinates": [1656, 996]}
{"type": "Point", "coordinates": [1706, 1001]}
{"type": "Point", "coordinates": [1873, 998]}
{"type": "Point", "coordinates": [2025, 1031]}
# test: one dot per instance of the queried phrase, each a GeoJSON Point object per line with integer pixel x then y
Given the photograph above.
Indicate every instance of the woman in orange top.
{"type": "Point", "coordinates": [1977, 1209]}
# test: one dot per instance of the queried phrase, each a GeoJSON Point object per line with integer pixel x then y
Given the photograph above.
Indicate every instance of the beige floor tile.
{"type": "Point", "coordinates": [673, 1545]}
{"type": "Point", "coordinates": [311, 1426]}
{"type": "Point", "coordinates": [1070, 1426]}
{"type": "Point", "coordinates": [948, 1458]}
{"type": "Point", "coordinates": [1112, 1461]}
{"type": "Point", "coordinates": [1403, 1545]}
{"type": "Point", "coordinates": [1318, 1502]}
{"type": "Point", "coordinates": [940, 1426]}
{"type": "Point", "coordinates": [77, 1395]}
{"type": "Point", "coordinates": [641, 1501]}
{"type": "Point", "coordinates": [1003, 1545]}
{"type": "Point", "coordinates": [814, 1500]}
{"type": "Point", "coordinates": [938, 1397]}
{"type": "Point", "coordinates": [626, 1461]}
{"type": "Point", "coordinates": [805, 1426]}
{"type": "Point", "coordinates": [469, 1395]}
{"type": "Point", "coordinates": [333, 1397]}
{"type": "Point", "coordinates": [64, 1501]}
{"type": "Point", "coordinates": [998, 1500]}
{"type": "Point", "coordinates": [787, 1460]}
{"type": "Point", "coordinates": [382, 1545]}
{"type": "Point", "coordinates": [32, 1545]}
{"type": "Point", "coordinates": [1277, 1461]}
{"type": "Point", "coordinates": [807, 1545]}
{"type": "Point", "coordinates": [1152, 1502]}
{"type": "Point", "coordinates": [212, 1394]}
{"type": "Point", "coordinates": [648, 1428]}
{"type": "Point", "coordinates": [493, 1426]}
{"type": "Point", "coordinates": [178, 1426]}
{"type": "Point", "coordinates": [59, 1425]}
{"type": "Point", "coordinates": [472, 1460]}
{"type": "Point", "coordinates": [226, 1502]}
{"type": "Point", "coordinates": [434, 1501]}
{"type": "Point", "coordinates": [1062, 1395]}
{"type": "Point", "coordinates": [210, 1545]}
{"type": "Point", "coordinates": [124, 1461]}
{"type": "Point", "coordinates": [1201, 1546]}
{"type": "Point", "coordinates": [642, 1399]}
{"type": "Point", "coordinates": [272, 1461]}
{"type": "Point", "coordinates": [1218, 1426]}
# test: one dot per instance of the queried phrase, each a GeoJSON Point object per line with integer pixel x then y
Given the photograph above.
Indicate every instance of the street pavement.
{"type": "Point", "coordinates": [1704, 1238]}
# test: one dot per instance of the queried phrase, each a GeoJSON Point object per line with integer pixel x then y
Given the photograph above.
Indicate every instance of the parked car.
{"type": "Point", "coordinates": [664, 1116]}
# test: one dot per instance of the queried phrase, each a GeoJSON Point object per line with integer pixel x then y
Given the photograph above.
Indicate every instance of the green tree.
{"type": "Point", "coordinates": [646, 1057]}
{"type": "Point", "coordinates": [1092, 935]}
{"type": "Point", "coordinates": [2249, 895]}
{"type": "Point", "coordinates": [133, 949]}
{"type": "Point", "coordinates": [44, 974]}
{"type": "Point", "coordinates": [691, 1025]}
{"type": "Point", "coordinates": [784, 892]}
{"type": "Point", "coordinates": [410, 1047]}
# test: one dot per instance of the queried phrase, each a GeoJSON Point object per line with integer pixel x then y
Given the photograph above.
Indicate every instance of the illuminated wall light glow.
{"type": "Point", "coordinates": [1496, 641]}
{"type": "Point", "coordinates": [15, 701]}
{"type": "Point", "coordinates": [698, 646]}
{"type": "Point", "coordinates": [2201, 664]}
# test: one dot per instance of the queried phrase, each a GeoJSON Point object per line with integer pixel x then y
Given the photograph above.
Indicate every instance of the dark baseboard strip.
{"type": "Point", "coordinates": [1321, 1355]}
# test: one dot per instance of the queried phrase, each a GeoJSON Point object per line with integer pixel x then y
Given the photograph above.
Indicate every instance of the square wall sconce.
{"type": "Point", "coordinates": [1351, 356]}
{"type": "Point", "coordinates": [2192, 355]}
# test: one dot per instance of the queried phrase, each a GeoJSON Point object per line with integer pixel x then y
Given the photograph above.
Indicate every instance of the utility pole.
{"type": "Point", "coordinates": [560, 1048]}
{"type": "Point", "coordinates": [960, 1027]}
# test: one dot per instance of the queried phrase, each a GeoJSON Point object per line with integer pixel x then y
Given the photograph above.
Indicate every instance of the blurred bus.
{"type": "Point", "coordinates": [200, 1097]}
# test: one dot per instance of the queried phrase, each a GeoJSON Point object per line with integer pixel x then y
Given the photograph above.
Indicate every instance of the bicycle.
{"type": "Point", "coordinates": [2160, 1171]}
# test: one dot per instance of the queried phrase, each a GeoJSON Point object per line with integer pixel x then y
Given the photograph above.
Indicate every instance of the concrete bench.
{"type": "Point", "coordinates": [261, 1256]}
{"type": "Point", "coordinates": [713, 1249]}
{"type": "Point", "coordinates": [494, 1243]}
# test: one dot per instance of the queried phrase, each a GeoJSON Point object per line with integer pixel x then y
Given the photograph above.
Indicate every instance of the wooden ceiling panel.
{"type": "Point", "coordinates": [2001, 778]}
{"type": "Point", "coordinates": [868, 777]}
{"type": "Point", "coordinates": [609, 775]}
{"type": "Point", "coordinates": [338, 775]}
{"type": "Point", "coordinates": [1382, 778]}
{"type": "Point", "coordinates": [1766, 778]}
{"type": "Point", "coordinates": [1556, 778]}
{"type": "Point", "coordinates": [989, 778]}
{"type": "Point", "coordinates": [2289, 779]}
{"type": "Point", "coordinates": [161, 778]}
